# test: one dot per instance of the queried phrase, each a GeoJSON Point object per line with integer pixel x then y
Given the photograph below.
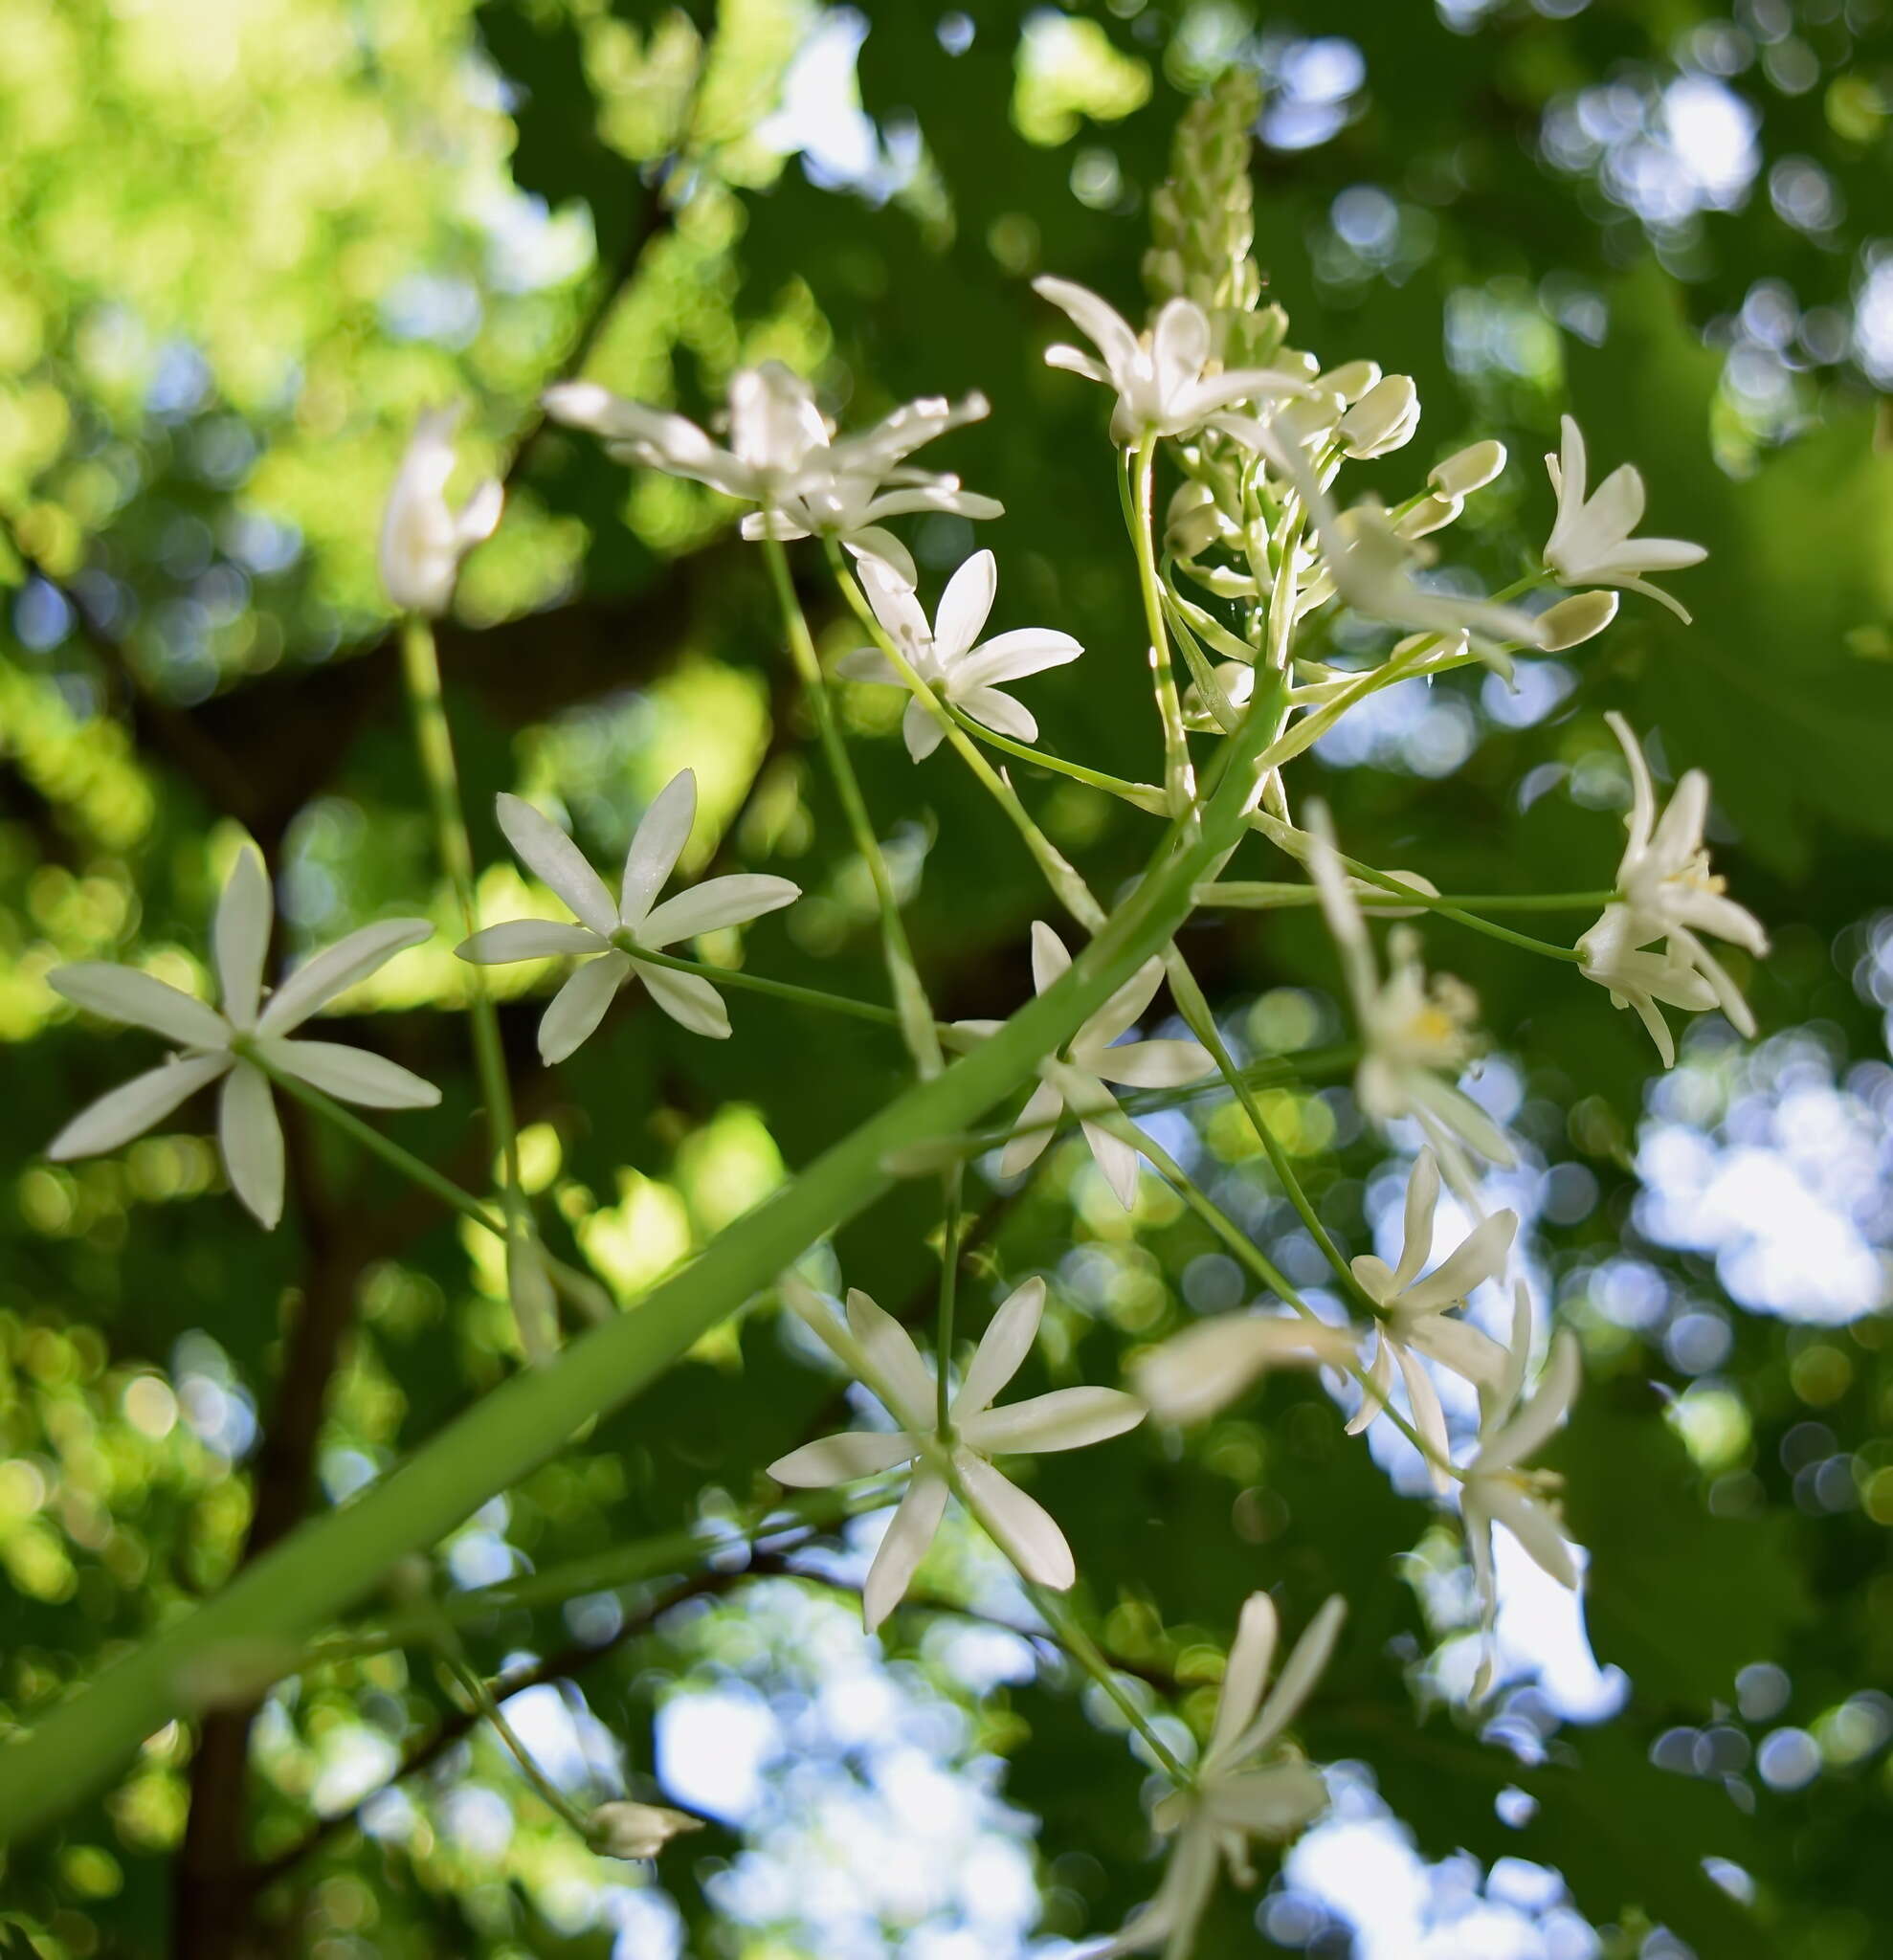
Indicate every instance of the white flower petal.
{"type": "Point", "coordinates": [545, 849]}
{"type": "Point", "coordinates": [717, 902]}
{"type": "Point", "coordinates": [1021, 1526]}
{"type": "Point", "coordinates": [579, 1004]}
{"type": "Point", "coordinates": [1422, 1202]}
{"type": "Point", "coordinates": [1034, 1130]}
{"type": "Point", "coordinates": [141, 1001]}
{"type": "Point", "coordinates": [921, 729]}
{"type": "Point", "coordinates": [336, 969]}
{"type": "Point", "coordinates": [1303, 1668]}
{"type": "Point", "coordinates": [1002, 1348]}
{"type": "Point", "coordinates": [1534, 1527]}
{"type": "Point", "coordinates": [870, 666]}
{"type": "Point", "coordinates": [249, 1140]}
{"type": "Point", "coordinates": [1064, 1419]}
{"type": "Point", "coordinates": [1153, 1064]}
{"type": "Point", "coordinates": [1549, 1404]}
{"type": "Point", "coordinates": [895, 1361]}
{"type": "Point", "coordinates": [842, 1459]}
{"type": "Point", "coordinates": [999, 712]}
{"type": "Point", "coordinates": [240, 937]}
{"type": "Point", "coordinates": [1121, 1012]}
{"type": "Point", "coordinates": [688, 998]}
{"type": "Point", "coordinates": [1478, 1258]}
{"type": "Point", "coordinates": [1015, 655]}
{"type": "Point", "coordinates": [1251, 1655]}
{"type": "Point", "coordinates": [1116, 1160]}
{"type": "Point", "coordinates": [873, 540]}
{"type": "Point", "coordinates": [655, 846]}
{"type": "Point", "coordinates": [964, 605]}
{"type": "Point", "coordinates": [903, 1547]}
{"type": "Point", "coordinates": [528, 938]}
{"type": "Point", "coordinates": [352, 1073]}
{"type": "Point", "coordinates": [134, 1106]}
{"type": "Point", "coordinates": [1206, 1368]}
{"type": "Point", "coordinates": [1050, 961]}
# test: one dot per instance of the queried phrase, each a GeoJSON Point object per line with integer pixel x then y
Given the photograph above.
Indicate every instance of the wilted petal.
{"type": "Point", "coordinates": [842, 1459]}
{"type": "Point", "coordinates": [579, 1004]}
{"type": "Point", "coordinates": [122, 994]}
{"type": "Point", "coordinates": [352, 1073]}
{"type": "Point", "coordinates": [250, 1140]}
{"type": "Point", "coordinates": [332, 971]}
{"type": "Point", "coordinates": [903, 1547]}
{"type": "Point", "coordinates": [1021, 1526]}
{"type": "Point", "coordinates": [544, 848]}
{"type": "Point", "coordinates": [132, 1108]}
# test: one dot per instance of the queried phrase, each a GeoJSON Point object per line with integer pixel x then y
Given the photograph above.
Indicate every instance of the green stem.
{"type": "Point", "coordinates": [480, 1700]}
{"type": "Point", "coordinates": [434, 741]}
{"type": "Point", "coordinates": [909, 996]}
{"type": "Point", "coordinates": [579, 1288]}
{"type": "Point", "coordinates": [1145, 796]}
{"type": "Point", "coordinates": [334, 1559]}
{"type": "Point", "coordinates": [1260, 895]}
{"type": "Point", "coordinates": [777, 989]}
{"type": "Point", "coordinates": [1140, 476]}
{"type": "Point", "coordinates": [950, 1281]}
{"type": "Point", "coordinates": [1460, 917]}
{"type": "Point", "coordinates": [1085, 1650]}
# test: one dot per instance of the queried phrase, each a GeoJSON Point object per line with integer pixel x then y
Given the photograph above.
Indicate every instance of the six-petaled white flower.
{"type": "Point", "coordinates": [1666, 890]}
{"type": "Point", "coordinates": [1237, 1795]}
{"type": "Point", "coordinates": [1497, 1489]}
{"type": "Point", "coordinates": [231, 1044]}
{"type": "Point", "coordinates": [785, 455]}
{"type": "Point", "coordinates": [1416, 1312]}
{"type": "Point", "coordinates": [422, 539]}
{"type": "Point", "coordinates": [1416, 1035]}
{"type": "Point", "coordinates": [610, 933]}
{"type": "Point", "coordinates": [881, 1352]}
{"type": "Point", "coordinates": [1591, 542]}
{"type": "Point", "coordinates": [1090, 1060]}
{"type": "Point", "coordinates": [1162, 377]}
{"type": "Point", "coordinates": [950, 655]}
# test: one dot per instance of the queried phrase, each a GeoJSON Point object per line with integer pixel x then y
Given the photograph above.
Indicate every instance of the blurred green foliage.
{"type": "Point", "coordinates": [245, 244]}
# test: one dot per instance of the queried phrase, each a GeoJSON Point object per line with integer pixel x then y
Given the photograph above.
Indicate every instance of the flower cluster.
{"type": "Point", "coordinates": [1242, 589]}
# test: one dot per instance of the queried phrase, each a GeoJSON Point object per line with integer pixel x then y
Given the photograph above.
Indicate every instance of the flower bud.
{"type": "Point", "coordinates": [638, 1830]}
{"type": "Point", "coordinates": [1307, 419]}
{"type": "Point", "coordinates": [1383, 419]}
{"type": "Point", "coordinates": [1352, 379]}
{"type": "Point", "coordinates": [1573, 621]}
{"type": "Point", "coordinates": [1195, 522]}
{"type": "Point", "coordinates": [1469, 469]}
{"type": "Point", "coordinates": [422, 538]}
{"type": "Point", "coordinates": [1429, 515]}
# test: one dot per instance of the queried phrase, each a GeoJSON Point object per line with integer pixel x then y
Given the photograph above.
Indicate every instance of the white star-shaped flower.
{"type": "Point", "coordinates": [881, 1352]}
{"type": "Point", "coordinates": [949, 654]}
{"type": "Point", "coordinates": [1417, 1036]}
{"type": "Point", "coordinates": [1416, 1312]}
{"type": "Point", "coordinates": [229, 1044]}
{"type": "Point", "coordinates": [610, 932]}
{"type": "Point", "coordinates": [1090, 1060]}
{"type": "Point", "coordinates": [422, 540]}
{"type": "Point", "coordinates": [1666, 890]}
{"type": "Point", "coordinates": [783, 455]}
{"type": "Point", "coordinates": [1162, 377]}
{"type": "Point", "coordinates": [1238, 1796]}
{"type": "Point", "coordinates": [1591, 542]}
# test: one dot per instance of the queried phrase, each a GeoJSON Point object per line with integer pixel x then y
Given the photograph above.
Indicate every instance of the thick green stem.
{"type": "Point", "coordinates": [318, 1572]}
{"type": "Point", "coordinates": [903, 976]}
